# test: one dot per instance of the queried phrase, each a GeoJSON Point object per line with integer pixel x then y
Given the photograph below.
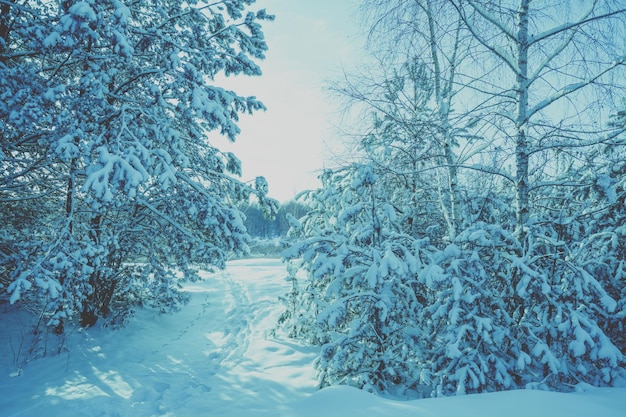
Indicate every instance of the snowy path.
{"type": "Point", "coordinates": [215, 357]}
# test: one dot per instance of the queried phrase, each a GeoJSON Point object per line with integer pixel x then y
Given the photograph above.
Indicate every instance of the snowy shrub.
{"type": "Point", "coordinates": [560, 304]}
{"type": "Point", "coordinates": [598, 248]}
{"type": "Point", "coordinates": [472, 346]}
{"type": "Point", "coordinates": [394, 313]}
{"type": "Point", "coordinates": [511, 322]}
{"type": "Point", "coordinates": [514, 197]}
{"type": "Point", "coordinates": [359, 301]}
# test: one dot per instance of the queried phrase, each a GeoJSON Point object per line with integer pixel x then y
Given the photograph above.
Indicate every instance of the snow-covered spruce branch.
{"type": "Point", "coordinates": [64, 62]}
{"type": "Point", "coordinates": [22, 281]}
{"type": "Point", "coordinates": [135, 78]}
{"type": "Point", "coordinates": [22, 8]}
{"type": "Point", "coordinates": [197, 9]}
{"type": "Point", "coordinates": [169, 220]}
{"type": "Point", "coordinates": [200, 189]}
{"type": "Point", "coordinates": [155, 32]}
{"type": "Point", "coordinates": [170, 39]}
{"type": "Point", "coordinates": [20, 54]}
{"type": "Point", "coordinates": [185, 13]}
{"type": "Point", "coordinates": [32, 167]}
{"type": "Point", "coordinates": [24, 198]}
{"type": "Point", "coordinates": [72, 60]}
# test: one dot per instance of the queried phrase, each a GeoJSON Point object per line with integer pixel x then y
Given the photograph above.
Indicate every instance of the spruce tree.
{"type": "Point", "coordinates": [110, 112]}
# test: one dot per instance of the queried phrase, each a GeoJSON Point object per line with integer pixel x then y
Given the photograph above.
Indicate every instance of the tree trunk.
{"type": "Point", "coordinates": [521, 123]}
{"type": "Point", "coordinates": [443, 91]}
{"type": "Point", "coordinates": [89, 315]}
{"type": "Point", "coordinates": [4, 29]}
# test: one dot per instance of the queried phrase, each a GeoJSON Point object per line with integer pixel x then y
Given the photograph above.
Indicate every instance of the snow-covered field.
{"type": "Point", "coordinates": [218, 357]}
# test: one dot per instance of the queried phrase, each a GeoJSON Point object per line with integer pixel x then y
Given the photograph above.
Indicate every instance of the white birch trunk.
{"type": "Point", "coordinates": [521, 122]}
{"type": "Point", "coordinates": [443, 97]}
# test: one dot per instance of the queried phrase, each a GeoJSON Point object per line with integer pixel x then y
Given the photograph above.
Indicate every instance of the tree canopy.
{"type": "Point", "coordinates": [110, 176]}
{"type": "Point", "coordinates": [478, 242]}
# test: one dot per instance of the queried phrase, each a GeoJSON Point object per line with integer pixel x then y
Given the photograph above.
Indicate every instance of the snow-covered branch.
{"type": "Point", "coordinates": [572, 88]}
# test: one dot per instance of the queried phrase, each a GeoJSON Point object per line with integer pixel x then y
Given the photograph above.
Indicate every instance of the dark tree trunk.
{"type": "Point", "coordinates": [4, 29]}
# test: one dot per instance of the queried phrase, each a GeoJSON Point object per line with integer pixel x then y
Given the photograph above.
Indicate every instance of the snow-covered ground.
{"type": "Point", "coordinates": [218, 357]}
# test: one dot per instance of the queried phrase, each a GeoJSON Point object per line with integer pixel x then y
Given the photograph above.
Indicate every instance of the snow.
{"type": "Point", "coordinates": [122, 12]}
{"type": "Point", "coordinates": [52, 40]}
{"type": "Point", "coordinates": [219, 357]}
{"type": "Point", "coordinates": [82, 9]}
{"type": "Point", "coordinates": [67, 149]}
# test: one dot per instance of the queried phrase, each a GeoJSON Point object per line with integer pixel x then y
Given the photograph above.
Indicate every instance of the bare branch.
{"type": "Point", "coordinates": [551, 57]}
{"type": "Point", "coordinates": [566, 27]}
{"type": "Point", "coordinates": [600, 140]}
{"type": "Point", "coordinates": [567, 90]}
{"type": "Point", "coordinates": [481, 11]}
{"type": "Point", "coordinates": [508, 60]}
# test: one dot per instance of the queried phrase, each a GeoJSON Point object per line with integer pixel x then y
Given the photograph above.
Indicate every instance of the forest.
{"type": "Point", "coordinates": [471, 239]}
{"type": "Point", "coordinates": [477, 241]}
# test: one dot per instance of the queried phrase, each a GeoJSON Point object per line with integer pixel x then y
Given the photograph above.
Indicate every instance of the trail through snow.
{"type": "Point", "coordinates": [215, 357]}
{"type": "Point", "coordinates": [218, 357]}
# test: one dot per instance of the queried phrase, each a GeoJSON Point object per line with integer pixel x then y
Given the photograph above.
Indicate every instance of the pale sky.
{"type": "Point", "coordinates": [309, 42]}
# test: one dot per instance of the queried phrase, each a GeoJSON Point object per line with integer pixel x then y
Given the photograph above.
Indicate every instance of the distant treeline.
{"type": "Point", "coordinates": [260, 226]}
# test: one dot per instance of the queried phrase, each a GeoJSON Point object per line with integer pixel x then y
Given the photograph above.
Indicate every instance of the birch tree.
{"type": "Point", "coordinates": [550, 77]}
{"type": "Point", "coordinates": [528, 293]}
{"type": "Point", "coordinates": [546, 75]}
{"type": "Point", "coordinates": [403, 138]}
{"type": "Point", "coordinates": [399, 32]}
